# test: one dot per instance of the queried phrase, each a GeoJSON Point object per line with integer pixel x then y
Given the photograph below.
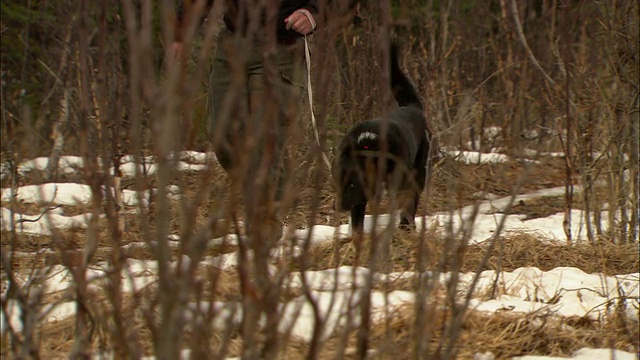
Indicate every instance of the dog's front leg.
{"type": "Point", "coordinates": [357, 218]}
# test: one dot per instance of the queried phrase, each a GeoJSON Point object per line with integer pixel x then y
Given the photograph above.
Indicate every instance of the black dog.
{"type": "Point", "coordinates": [392, 151]}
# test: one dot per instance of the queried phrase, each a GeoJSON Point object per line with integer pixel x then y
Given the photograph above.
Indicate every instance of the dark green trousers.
{"type": "Point", "coordinates": [255, 93]}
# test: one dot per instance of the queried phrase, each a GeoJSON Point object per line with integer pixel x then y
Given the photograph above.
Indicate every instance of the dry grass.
{"type": "Point", "coordinates": [507, 335]}
{"type": "Point", "coordinates": [504, 334]}
{"type": "Point", "coordinates": [522, 250]}
{"type": "Point", "coordinates": [515, 251]}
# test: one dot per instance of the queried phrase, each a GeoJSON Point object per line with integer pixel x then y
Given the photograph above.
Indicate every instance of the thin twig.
{"type": "Point", "coordinates": [525, 44]}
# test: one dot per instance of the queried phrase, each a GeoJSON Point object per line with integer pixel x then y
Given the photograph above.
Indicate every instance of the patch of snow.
{"type": "Point", "coordinates": [72, 194]}
{"type": "Point", "coordinates": [337, 309]}
{"type": "Point", "coordinates": [489, 213]}
{"type": "Point", "coordinates": [41, 224]}
{"type": "Point", "coordinates": [12, 320]}
{"type": "Point", "coordinates": [184, 355]}
{"type": "Point", "coordinates": [183, 166]}
{"type": "Point", "coordinates": [561, 291]}
{"type": "Point", "coordinates": [224, 314]}
{"type": "Point", "coordinates": [229, 239]}
{"type": "Point", "coordinates": [66, 165]}
{"type": "Point", "coordinates": [319, 234]}
{"type": "Point", "coordinates": [50, 193]}
{"type": "Point", "coordinates": [587, 354]}
{"type": "Point", "coordinates": [48, 313]}
{"type": "Point", "coordinates": [129, 169]}
{"type": "Point", "coordinates": [197, 157]}
{"type": "Point", "coordinates": [224, 261]}
{"type": "Point", "coordinates": [342, 278]}
{"type": "Point", "coordinates": [474, 157]}
{"type": "Point", "coordinates": [59, 311]}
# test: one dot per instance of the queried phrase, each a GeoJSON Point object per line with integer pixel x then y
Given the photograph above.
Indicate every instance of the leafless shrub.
{"type": "Point", "coordinates": [550, 76]}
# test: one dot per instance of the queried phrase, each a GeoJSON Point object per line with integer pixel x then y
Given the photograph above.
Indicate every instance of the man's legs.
{"type": "Point", "coordinates": [249, 139]}
{"type": "Point", "coordinates": [250, 111]}
{"type": "Point", "coordinates": [275, 103]}
{"type": "Point", "coordinates": [275, 95]}
{"type": "Point", "coordinates": [275, 90]}
{"type": "Point", "coordinates": [227, 103]}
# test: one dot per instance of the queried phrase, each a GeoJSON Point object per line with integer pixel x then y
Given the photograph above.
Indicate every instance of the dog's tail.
{"type": "Point", "coordinates": [403, 90]}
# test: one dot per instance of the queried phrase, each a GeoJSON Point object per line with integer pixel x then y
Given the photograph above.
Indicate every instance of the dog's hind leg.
{"type": "Point", "coordinates": [357, 217]}
{"type": "Point", "coordinates": [409, 210]}
{"type": "Point", "coordinates": [422, 163]}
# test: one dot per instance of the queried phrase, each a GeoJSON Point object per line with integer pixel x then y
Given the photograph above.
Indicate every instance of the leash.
{"type": "Point", "coordinates": [307, 56]}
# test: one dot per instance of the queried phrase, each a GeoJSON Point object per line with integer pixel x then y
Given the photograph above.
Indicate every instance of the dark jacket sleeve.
{"type": "Point", "coordinates": [314, 6]}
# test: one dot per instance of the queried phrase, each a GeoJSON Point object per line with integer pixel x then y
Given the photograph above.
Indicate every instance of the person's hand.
{"type": "Point", "coordinates": [301, 21]}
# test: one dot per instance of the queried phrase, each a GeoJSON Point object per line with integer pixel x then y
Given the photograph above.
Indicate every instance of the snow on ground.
{"type": "Point", "coordinates": [71, 194]}
{"type": "Point", "coordinates": [41, 224]}
{"type": "Point", "coordinates": [489, 214]}
{"type": "Point", "coordinates": [474, 157]}
{"type": "Point", "coordinates": [587, 354]}
{"type": "Point", "coordinates": [68, 164]}
{"type": "Point", "coordinates": [582, 354]}
{"type": "Point", "coordinates": [560, 291]}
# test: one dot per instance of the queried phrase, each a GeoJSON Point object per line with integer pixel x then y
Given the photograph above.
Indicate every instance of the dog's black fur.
{"type": "Point", "coordinates": [392, 150]}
